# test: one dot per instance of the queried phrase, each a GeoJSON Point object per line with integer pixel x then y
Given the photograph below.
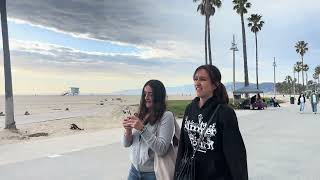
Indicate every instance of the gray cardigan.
{"type": "Point", "coordinates": [142, 151]}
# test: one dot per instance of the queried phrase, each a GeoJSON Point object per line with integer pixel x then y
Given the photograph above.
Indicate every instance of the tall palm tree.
{"type": "Point", "coordinates": [9, 119]}
{"type": "Point", "coordinates": [317, 72]}
{"type": "Point", "coordinates": [301, 48]}
{"type": "Point", "coordinates": [305, 68]}
{"type": "Point", "coordinates": [207, 8]}
{"type": "Point", "coordinates": [241, 7]}
{"type": "Point", "coordinates": [315, 77]}
{"type": "Point", "coordinates": [298, 69]}
{"type": "Point", "coordinates": [256, 24]}
{"type": "Point", "coordinates": [289, 83]}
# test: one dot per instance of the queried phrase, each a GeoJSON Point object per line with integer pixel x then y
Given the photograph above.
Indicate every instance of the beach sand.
{"type": "Point", "coordinates": [48, 114]}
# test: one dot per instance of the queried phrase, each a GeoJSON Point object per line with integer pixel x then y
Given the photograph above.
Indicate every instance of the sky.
{"type": "Point", "coordinates": [103, 46]}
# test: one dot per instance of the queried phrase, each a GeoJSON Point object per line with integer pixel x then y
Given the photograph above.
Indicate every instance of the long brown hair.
{"type": "Point", "coordinates": [215, 77]}
{"type": "Point", "coordinates": [158, 102]}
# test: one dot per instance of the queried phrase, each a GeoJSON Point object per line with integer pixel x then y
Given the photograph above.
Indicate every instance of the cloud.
{"type": "Point", "coordinates": [166, 33]}
{"type": "Point", "coordinates": [46, 64]}
{"type": "Point", "coordinates": [146, 24]}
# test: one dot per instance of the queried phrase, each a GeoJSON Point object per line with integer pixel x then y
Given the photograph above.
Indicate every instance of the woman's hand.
{"type": "Point", "coordinates": [135, 123]}
{"type": "Point", "coordinates": [127, 126]}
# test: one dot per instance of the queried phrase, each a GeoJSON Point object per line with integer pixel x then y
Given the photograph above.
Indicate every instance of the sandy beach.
{"type": "Point", "coordinates": [55, 114]}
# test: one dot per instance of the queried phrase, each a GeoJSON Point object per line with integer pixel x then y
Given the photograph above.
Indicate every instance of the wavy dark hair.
{"type": "Point", "coordinates": [215, 77]}
{"type": "Point", "coordinates": [158, 102]}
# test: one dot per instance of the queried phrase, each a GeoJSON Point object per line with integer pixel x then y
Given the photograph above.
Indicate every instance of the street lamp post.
{"type": "Point", "coordinates": [274, 76]}
{"type": "Point", "coordinates": [294, 83]}
{"type": "Point", "coordinates": [234, 48]}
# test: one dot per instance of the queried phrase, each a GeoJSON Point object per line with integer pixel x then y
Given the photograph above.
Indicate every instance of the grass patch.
{"type": "Point", "coordinates": [178, 107]}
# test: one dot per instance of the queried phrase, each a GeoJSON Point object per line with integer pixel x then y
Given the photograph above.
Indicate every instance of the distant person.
{"type": "Point", "coordinates": [211, 146]}
{"type": "Point", "coordinates": [149, 133]}
{"type": "Point", "coordinates": [314, 102]}
{"type": "Point", "coordinates": [301, 102]}
{"type": "Point", "coordinates": [260, 102]}
{"type": "Point", "coordinates": [253, 99]}
{"type": "Point", "coordinates": [275, 102]}
{"type": "Point", "coordinates": [271, 101]}
{"type": "Point", "coordinates": [258, 97]}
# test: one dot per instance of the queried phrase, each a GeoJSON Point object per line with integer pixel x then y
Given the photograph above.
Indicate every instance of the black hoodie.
{"type": "Point", "coordinates": [222, 154]}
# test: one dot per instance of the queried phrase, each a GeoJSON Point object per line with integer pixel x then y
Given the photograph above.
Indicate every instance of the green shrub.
{"type": "Point", "coordinates": [178, 107]}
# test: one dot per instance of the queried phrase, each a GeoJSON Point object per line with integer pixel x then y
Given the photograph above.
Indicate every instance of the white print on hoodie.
{"type": "Point", "coordinates": [195, 129]}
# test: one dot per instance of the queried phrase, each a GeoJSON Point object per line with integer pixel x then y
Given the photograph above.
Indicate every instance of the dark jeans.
{"type": "Point", "coordinates": [134, 174]}
{"type": "Point", "coordinates": [314, 107]}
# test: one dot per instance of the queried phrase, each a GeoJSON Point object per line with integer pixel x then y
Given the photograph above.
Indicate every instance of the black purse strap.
{"type": "Point", "coordinates": [204, 130]}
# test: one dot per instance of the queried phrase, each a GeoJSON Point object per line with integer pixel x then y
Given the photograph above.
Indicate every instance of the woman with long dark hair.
{"type": "Point", "coordinates": [211, 146]}
{"type": "Point", "coordinates": [150, 132]}
{"type": "Point", "coordinates": [301, 102]}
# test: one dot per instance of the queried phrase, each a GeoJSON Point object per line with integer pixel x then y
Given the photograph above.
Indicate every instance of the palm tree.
{"type": "Point", "coordinates": [241, 7]}
{"type": "Point", "coordinates": [298, 68]}
{"type": "Point", "coordinates": [306, 69]}
{"type": "Point", "coordinates": [256, 24]}
{"type": "Point", "coordinates": [288, 83]}
{"type": "Point", "coordinates": [317, 72]}
{"type": "Point", "coordinates": [301, 48]}
{"type": "Point", "coordinates": [9, 120]}
{"type": "Point", "coordinates": [207, 9]}
{"type": "Point", "coordinates": [315, 77]}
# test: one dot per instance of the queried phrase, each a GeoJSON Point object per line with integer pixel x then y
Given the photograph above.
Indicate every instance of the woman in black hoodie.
{"type": "Point", "coordinates": [221, 153]}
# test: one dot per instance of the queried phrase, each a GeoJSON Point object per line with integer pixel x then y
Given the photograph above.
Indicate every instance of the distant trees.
{"type": "Point", "coordinates": [298, 69]}
{"type": "Point", "coordinates": [316, 74]}
{"type": "Point", "coordinates": [285, 87]}
{"type": "Point", "coordinates": [301, 48]}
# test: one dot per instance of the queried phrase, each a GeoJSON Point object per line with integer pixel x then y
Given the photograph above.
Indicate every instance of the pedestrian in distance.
{"type": "Point", "coordinates": [314, 102]}
{"type": "Point", "coordinates": [301, 102]}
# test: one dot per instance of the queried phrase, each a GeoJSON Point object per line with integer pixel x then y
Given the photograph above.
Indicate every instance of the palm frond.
{"type": "Point", "coordinates": [201, 9]}
{"type": "Point", "coordinates": [255, 22]}
{"type": "Point", "coordinates": [212, 11]}
{"type": "Point", "coordinates": [248, 5]}
{"type": "Point", "coordinates": [216, 3]}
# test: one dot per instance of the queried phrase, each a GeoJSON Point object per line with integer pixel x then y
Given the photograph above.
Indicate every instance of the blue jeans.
{"type": "Point", "coordinates": [314, 107]}
{"type": "Point", "coordinates": [134, 174]}
{"type": "Point", "coordinates": [301, 107]}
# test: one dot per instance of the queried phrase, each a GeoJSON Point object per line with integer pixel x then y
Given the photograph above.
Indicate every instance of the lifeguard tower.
{"type": "Point", "coordinates": [74, 91]}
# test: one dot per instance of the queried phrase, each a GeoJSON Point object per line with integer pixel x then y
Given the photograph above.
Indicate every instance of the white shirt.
{"type": "Point", "coordinates": [314, 98]}
{"type": "Point", "coordinates": [301, 99]}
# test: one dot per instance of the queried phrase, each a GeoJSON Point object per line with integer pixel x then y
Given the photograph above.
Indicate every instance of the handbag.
{"type": "Point", "coordinates": [164, 165]}
{"type": "Point", "coordinates": [187, 166]}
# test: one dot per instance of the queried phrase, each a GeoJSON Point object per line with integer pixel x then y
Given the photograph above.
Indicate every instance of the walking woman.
{"type": "Point", "coordinates": [211, 146]}
{"type": "Point", "coordinates": [301, 102]}
{"type": "Point", "coordinates": [149, 133]}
